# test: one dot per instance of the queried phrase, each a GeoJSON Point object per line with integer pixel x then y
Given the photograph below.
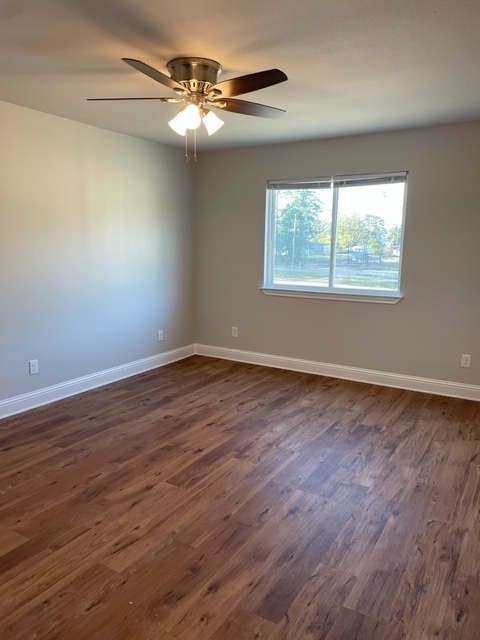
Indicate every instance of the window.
{"type": "Point", "coordinates": [336, 236]}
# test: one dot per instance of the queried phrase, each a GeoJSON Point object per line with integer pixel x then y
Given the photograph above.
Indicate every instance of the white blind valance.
{"type": "Point", "coordinates": [329, 182]}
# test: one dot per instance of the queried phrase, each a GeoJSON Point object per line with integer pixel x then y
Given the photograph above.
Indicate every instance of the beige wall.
{"type": "Point", "coordinates": [426, 333]}
{"type": "Point", "coordinates": [95, 249]}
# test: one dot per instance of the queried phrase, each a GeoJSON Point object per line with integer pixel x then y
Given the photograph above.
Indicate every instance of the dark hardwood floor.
{"type": "Point", "coordinates": [224, 501]}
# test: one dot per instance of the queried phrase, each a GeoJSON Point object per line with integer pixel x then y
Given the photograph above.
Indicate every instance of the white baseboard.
{"type": "Point", "coordinates": [18, 404]}
{"type": "Point", "coordinates": [411, 383]}
{"type": "Point", "coordinates": [27, 401]}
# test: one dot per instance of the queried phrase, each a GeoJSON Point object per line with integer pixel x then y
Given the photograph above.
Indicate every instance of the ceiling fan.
{"type": "Point", "coordinates": [194, 80]}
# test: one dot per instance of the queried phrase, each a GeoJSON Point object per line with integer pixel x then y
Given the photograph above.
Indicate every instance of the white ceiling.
{"type": "Point", "coordinates": [353, 65]}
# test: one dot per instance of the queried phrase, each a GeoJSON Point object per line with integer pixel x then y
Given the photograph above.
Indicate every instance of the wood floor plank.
{"type": "Point", "coordinates": [460, 468]}
{"type": "Point", "coordinates": [315, 609]}
{"type": "Point", "coordinates": [462, 610]}
{"type": "Point", "coordinates": [428, 579]}
{"type": "Point", "coordinates": [357, 539]}
{"type": "Point", "coordinates": [215, 500]}
{"type": "Point", "coordinates": [175, 604]}
{"type": "Point", "coordinates": [246, 571]}
{"type": "Point", "coordinates": [243, 625]}
{"type": "Point", "coordinates": [10, 540]}
{"type": "Point", "coordinates": [350, 624]}
{"type": "Point", "coordinates": [132, 604]}
{"type": "Point", "coordinates": [83, 595]}
{"type": "Point", "coordinates": [384, 572]}
{"type": "Point", "coordinates": [297, 563]}
{"type": "Point", "coordinates": [469, 560]}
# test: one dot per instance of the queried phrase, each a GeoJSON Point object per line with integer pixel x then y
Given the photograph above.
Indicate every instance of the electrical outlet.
{"type": "Point", "coordinates": [33, 367]}
{"type": "Point", "coordinates": [466, 360]}
{"type": "Point", "coordinates": [234, 332]}
{"type": "Point", "coordinates": [160, 335]}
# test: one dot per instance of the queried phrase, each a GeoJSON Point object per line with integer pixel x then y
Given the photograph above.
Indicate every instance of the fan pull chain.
{"type": "Point", "coordinates": [194, 145]}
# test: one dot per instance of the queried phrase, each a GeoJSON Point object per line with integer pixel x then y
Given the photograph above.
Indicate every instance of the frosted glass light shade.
{"type": "Point", "coordinates": [212, 122]}
{"type": "Point", "coordinates": [178, 123]}
{"type": "Point", "coordinates": [192, 117]}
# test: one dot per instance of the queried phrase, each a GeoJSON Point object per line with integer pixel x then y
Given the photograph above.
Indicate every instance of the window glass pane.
{"type": "Point", "coordinates": [339, 235]}
{"type": "Point", "coordinates": [369, 224]}
{"type": "Point", "coordinates": [303, 222]}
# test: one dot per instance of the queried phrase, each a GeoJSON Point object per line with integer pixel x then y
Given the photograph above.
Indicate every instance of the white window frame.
{"type": "Point", "coordinates": [330, 292]}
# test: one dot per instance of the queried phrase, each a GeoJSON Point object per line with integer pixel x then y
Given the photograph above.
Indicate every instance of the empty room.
{"type": "Point", "coordinates": [239, 317]}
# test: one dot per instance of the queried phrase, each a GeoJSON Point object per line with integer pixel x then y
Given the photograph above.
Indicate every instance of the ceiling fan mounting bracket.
{"type": "Point", "coordinates": [196, 74]}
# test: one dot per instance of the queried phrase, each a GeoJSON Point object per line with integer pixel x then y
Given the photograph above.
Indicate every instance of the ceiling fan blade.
{"type": "Point", "coordinates": [250, 82]}
{"type": "Point", "coordinates": [154, 74]}
{"type": "Point", "coordinates": [159, 99]}
{"type": "Point", "coordinates": [247, 108]}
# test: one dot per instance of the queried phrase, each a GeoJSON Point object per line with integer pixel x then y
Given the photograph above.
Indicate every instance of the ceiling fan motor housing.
{"type": "Point", "coordinates": [196, 74]}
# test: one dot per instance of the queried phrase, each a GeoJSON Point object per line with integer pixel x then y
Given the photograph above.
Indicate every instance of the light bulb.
{"type": "Point", "coordinates": [212, 122]}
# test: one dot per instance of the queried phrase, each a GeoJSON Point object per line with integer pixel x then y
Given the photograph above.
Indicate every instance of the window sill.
{"type": "Point", "coordinates": [330, 295]}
